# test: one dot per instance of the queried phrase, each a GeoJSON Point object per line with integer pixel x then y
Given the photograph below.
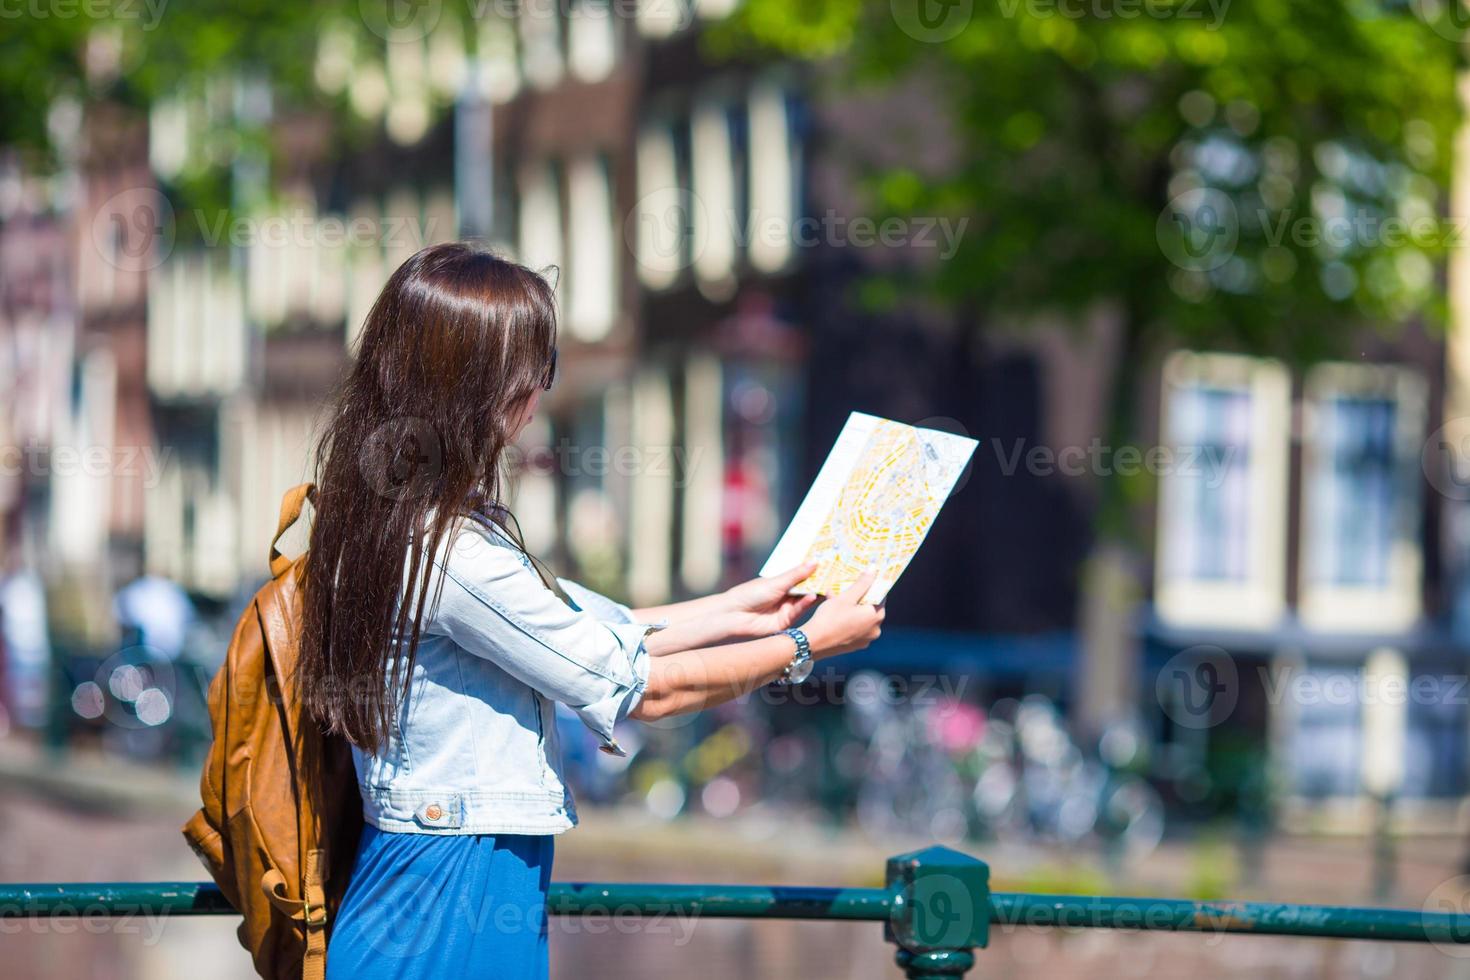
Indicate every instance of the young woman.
{"type": "Point", "coordinates": [437, 646]}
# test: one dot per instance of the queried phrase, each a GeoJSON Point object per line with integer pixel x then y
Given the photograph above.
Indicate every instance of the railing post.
{"type": "Point", "coordinates": [941, 911]}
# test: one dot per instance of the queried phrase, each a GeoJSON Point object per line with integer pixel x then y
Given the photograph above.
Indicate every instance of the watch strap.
{"type": "Point", "coordinates": [803, 653]}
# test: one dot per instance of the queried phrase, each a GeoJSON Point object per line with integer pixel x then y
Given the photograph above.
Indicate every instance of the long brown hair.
{"type": "Point", "coordinates": [455, 344]}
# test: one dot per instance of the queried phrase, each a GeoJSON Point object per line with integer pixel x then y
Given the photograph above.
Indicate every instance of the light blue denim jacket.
{"type": "Point", "coordinates": [474, 749]}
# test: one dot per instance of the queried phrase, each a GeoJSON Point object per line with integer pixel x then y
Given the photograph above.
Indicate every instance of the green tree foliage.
{"type": "Point", "coordinates": [132, 52]}
{"type": "Point", "coordinates": [234, 69]}
{"type": "Point", "coordinates": [1262, 175]}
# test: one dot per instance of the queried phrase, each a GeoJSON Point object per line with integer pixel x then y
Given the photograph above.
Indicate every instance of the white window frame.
{"type": "Point", "coordinates": [1257, 602]}
{"type": "Point", "coordinates": [1396, 605]}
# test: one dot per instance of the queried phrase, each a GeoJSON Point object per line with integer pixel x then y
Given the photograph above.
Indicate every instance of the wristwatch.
{"type": "Point", "coordinates": [801, 665]}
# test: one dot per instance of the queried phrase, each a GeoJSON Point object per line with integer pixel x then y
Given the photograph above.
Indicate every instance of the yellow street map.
{"type": "Point", "coordinates": [871, 504]}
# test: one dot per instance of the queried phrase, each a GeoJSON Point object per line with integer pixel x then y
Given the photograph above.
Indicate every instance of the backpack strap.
{"type": "Point", "coordinates": [314, 960]}
{"type": "Point", "coordinates": [290, 512]}
{"type": "Point", "coordinates": [310, 911]}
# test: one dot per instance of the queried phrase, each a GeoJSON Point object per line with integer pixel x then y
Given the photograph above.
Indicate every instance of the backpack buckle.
{"type": "Point", "coordinates": [314, 915]}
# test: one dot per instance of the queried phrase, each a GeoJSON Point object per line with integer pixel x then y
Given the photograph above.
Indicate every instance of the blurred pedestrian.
{"type": "Point", "coordinates": [26, 647]}
{"type": "Point", "coordinates": [157, 612]}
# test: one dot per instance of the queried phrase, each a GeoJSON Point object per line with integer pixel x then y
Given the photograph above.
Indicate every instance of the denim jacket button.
{"type": "Point", "coordinates": [447, 813]}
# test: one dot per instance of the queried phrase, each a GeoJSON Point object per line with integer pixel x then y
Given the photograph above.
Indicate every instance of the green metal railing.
{"type": "Point", "coordinates": [937, 908]}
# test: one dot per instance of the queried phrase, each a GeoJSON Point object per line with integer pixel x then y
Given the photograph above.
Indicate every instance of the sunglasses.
{"type": "Point", "coordinates": [550, 378]}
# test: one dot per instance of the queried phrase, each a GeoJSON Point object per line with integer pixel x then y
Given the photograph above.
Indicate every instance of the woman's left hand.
{"type": "Point", "coordinates": [764, 606]}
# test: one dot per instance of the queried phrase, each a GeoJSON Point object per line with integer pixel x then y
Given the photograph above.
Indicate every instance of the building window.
{"type": "Point", "coordinates": [1213, 421]}
{"type": "Point", "coordinates": [701, 481]}
{"type": "Point", "coordinates": [775, 167]}
{"type": "Point", "coordinates": [1435, 755]}
{"type": "Point", "coordinates": [540, 241]}
{"type": "Point", "coordinates": [541, 47]}
{"type": "Point", "coordinates": [1353, 491]}
{"type": "Point", "coordinates": [597, 493]}
{"type": "Point", "coordinates": [658, 19]}
{"type": "Point", "coordinates": [1325, 742]}
{"type": "Point", "coordinates": [1361, 564]}
{"type": "Point", "coordinates": [715, 9]}
{"type": "Point", "coordinates": [592, 276]}
{"type": "Point", "coordinates": [591, 40]}
{"type": "Point", "coordinates": [651, 489]}
{"type": "Point", "coordinates": [190, 289]}
{"type": "Point", "coordinates": [1222, 500]}
{"type": "Point", "coordinates": [496, 72]}
{"type": "Point", "coordinates": [713, 178]}
{"type": "Point", "coordinates": [663, 211]}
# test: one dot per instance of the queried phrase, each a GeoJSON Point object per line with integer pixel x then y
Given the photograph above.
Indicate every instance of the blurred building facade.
{"type": "Point", "coordinates": [710, 352]}
{"type": "Point", "coordinates": [1309, 579]}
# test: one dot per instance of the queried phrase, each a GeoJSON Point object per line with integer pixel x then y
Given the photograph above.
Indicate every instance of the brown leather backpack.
{"type": "Point", "coordinates": [282, 814]}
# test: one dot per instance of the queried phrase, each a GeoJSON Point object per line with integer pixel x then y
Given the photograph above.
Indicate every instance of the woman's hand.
{"type": "Point", "coordinates": [764, 606]}
{"type": "Point", "coordinates": [682, 679]}
{"type": "Point", "coordinates": [843, 623]}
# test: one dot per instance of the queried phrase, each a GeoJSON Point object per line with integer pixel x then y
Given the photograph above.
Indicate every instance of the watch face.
{"type": "Point", "coordinates": [800, 672]}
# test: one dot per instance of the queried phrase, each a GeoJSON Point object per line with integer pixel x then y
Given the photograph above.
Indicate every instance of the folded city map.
{"type": "Point", "coordinates": [871, 504]}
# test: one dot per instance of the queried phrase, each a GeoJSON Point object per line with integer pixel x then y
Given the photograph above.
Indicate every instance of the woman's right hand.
{"type": "Point", "coordinates": [843, 623]}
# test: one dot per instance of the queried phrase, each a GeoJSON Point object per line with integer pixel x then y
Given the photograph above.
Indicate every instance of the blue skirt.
{"type": "Point", "coordinates": [423, 905]}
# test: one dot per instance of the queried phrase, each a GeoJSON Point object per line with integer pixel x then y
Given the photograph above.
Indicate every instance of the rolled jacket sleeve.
{"type": "Point", "coordinates": [494, 605]}
{"type": "Point", "coordinates": [596, 603]}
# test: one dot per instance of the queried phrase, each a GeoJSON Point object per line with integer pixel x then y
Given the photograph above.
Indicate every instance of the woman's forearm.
{"type": "Point", "coordinates": [681, 681]}
{"type": "Point", "coordinates": [685, 680]}
{"type": "Point", "coordinates": [694, 633]}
